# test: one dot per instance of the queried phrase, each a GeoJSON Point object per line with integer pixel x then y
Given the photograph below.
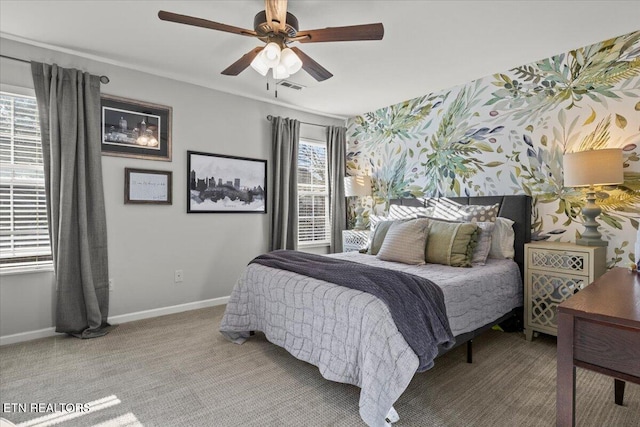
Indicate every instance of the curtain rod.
{"type": "Point", "coordinates": [269, 117]}
{"type": "Point", "coordinates": [103, 79]}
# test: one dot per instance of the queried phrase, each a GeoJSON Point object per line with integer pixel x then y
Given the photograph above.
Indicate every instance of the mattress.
{"type": "Point", "coordinates": [473, 296]}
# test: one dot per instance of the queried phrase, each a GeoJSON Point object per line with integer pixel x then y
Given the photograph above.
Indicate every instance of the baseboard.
{"type": "Point", "coordinates": [122, 318]}
{"type": "Point", "coordinates": [155, 312]}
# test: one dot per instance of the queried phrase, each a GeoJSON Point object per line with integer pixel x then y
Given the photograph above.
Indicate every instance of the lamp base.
{"type": "Point", "coordinates": [591, 236]}
{"type": "Point", "coordinates": [359, 225]}
{"type": "Point", "coordinates": [591, 242]}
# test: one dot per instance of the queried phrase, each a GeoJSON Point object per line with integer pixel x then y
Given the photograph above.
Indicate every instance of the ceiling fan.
{"type": "Point", "coordinates": [278, 29]}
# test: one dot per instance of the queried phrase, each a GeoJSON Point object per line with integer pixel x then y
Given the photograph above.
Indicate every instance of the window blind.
{"type": "Point", "coordinates": [314, 225]}
{"type": "Point", "coordinates": [24, 236]}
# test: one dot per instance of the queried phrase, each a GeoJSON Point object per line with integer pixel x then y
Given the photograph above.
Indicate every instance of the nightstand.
{"type": "Point", "coordinates": [553, 272]}
{"type": "Point", "coordinates": [354, 240]}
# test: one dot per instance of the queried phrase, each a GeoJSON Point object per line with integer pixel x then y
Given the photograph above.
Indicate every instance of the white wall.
{"type": "Point", "coordinates": [148, 243]}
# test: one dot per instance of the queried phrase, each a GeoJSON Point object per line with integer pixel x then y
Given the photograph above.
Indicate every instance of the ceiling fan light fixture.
{"type": "Point", "coordinates": [271, 54]}
{"type": "Point", "coordinates": [280, 72]}
{"type": "Point", "coordinates": [290, 60]}
{"type": "Point", "coordinates": [259, 64]}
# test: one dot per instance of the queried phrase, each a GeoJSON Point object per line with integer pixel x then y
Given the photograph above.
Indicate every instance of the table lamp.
{"type": "Point", "coordinates": [358, 186]}
{"type": "Point", "coordinates": [588, 169]}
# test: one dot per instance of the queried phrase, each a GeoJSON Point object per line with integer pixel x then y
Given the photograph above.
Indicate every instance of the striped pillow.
{"type": "Point", "coordinates": [405, 242]}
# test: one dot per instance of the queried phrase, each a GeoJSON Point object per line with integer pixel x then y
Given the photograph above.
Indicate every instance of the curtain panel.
{"type": "Point", "coordinates": [336, 168]}
{"type": "Point", "coordinates": [69, 111]}
{"type": "Point", "coordinates": [285, 136]}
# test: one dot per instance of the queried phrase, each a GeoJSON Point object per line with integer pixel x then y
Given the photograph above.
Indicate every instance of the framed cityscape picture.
{"type": "Point", "coordinates": [225, 184]}
{"type": "Point", "coordinates": [135, 129]}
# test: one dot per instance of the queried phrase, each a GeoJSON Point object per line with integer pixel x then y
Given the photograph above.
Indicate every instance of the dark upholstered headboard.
{"type": "Point", "coordinates": [516, 208]}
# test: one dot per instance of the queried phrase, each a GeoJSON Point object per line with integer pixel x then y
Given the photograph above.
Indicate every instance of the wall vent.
{"type": "Point", "coordinates": [291, 85]}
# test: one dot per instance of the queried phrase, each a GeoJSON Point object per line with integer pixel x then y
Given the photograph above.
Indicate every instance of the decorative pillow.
{"type": "Point", "coordinates": [481, 252]}
{"type": "Point", "coordinates": [378, 233]}
{"type": "Point", "coordinates": [450, 210]}
{"type": "Point", "coordinates": [451, 243]}
{"type": "Point", "coordinates": [400, 212]}
{"type": "Point", "coordinates": [405, 242]}
{"type": "Point", "coordinates": [374, 220]}
{"type": "Point", "coordinates": [503, 239]}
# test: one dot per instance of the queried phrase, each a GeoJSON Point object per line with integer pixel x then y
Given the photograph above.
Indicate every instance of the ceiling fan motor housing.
{"type": "Point", "coordinates": [262, 27]}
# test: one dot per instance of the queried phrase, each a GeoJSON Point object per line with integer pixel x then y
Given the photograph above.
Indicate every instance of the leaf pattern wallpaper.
{"type": "Point", "coordinates": [507, 134]}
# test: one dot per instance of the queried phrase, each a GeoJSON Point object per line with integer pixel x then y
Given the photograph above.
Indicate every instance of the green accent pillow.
{"type": "Point", "coordinates": [451, 243]}
{"type": "Point", "coordinates": [377, 236]}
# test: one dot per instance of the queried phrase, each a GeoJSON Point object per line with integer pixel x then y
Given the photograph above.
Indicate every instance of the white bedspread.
{"type": "Point", "coordinates": [350, 335]}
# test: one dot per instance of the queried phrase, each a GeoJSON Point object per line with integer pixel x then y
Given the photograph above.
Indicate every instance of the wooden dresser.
{"type": "Point", "coordinates": [599, 330]}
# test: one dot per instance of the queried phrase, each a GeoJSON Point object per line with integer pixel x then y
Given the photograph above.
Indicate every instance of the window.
{"type": "Point", "coordinates": [313, 194]}
{"type": "Point", "coordinates": [24, 237]}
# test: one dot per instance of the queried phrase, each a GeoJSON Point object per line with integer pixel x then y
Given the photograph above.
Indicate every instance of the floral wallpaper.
{"type": "Point", "coordinates": [507, 133]}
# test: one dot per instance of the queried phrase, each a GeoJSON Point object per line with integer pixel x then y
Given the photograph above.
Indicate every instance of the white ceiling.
{"type": "Point", "coordinates": [427, 46]}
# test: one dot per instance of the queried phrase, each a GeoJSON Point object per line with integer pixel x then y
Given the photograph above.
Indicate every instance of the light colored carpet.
{"type": "Point", "coordinates": [178, 370]}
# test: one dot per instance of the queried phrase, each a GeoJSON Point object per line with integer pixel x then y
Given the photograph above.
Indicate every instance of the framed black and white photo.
{"type": "Point", "coordinates": [145, 186]}
{"type": "Point", "coordinates": [225, 184]}
{"type": "Point", "coordinates": [135, 129]}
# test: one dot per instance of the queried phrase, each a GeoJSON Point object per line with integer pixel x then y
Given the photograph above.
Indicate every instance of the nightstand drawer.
{"type": "Point", "coordinates": [559, 260]}
{"type": "Point", "coordinates": [554, 271]}
{"type": "Point", "coordinates": [547, 290]}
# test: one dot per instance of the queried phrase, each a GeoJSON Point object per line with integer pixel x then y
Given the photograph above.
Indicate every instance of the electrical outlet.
{"type": "Point", "coordinates": [178, 276]}
{"type": "Point", "coordinates": [110, 285]}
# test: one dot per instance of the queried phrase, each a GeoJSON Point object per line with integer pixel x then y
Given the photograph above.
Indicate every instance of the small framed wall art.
{"type": "Point", "coordinates": [135, 129]}
{"type": "Point", "coordinates": [224, 184]}
{"type": "Point", "coordinates": [145, 186]}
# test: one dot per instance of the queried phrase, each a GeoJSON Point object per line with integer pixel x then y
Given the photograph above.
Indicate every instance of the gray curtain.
{"type": "Point", "coordinates": [285, 134]}
{"type": "Point", "coordinates": [336, 167]}
{"type": "Point", "coordinates": [69, 110]}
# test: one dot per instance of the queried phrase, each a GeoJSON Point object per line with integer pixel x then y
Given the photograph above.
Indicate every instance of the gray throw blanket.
{"type": "Point", "coordinates": [416, 304]}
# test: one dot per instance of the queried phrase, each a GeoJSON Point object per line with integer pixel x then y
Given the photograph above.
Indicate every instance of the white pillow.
{"type": "Point", "coordinates": [503, 239]}
{"type": "Point", "coordinates": [405, 242]}
{"type": "Point", "coordinates": [401, 212]}
{"type": "Point", "coordinates": [483, 246]}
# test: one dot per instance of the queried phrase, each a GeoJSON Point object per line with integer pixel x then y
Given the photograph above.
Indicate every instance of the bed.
{"type": "Point", "coordinates": [351, 335]}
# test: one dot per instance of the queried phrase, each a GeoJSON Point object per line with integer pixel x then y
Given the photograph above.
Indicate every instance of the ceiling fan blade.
{"type": "Point", "coordinates": [276, 11]}
{"type": "Point", "coordinates": [343, 34]}
{"type": "Point", "coordinates": [241, 64]}
{"type": "Point", "coordinates": [204, 23]}
{"type": "Point", "coordinates": [314, 69]}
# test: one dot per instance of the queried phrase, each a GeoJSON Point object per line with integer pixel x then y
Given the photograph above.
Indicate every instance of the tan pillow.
{"type": "Point", "coordinates": [405, 242]}
{"type": "Point", "coordinates": [451, 243]}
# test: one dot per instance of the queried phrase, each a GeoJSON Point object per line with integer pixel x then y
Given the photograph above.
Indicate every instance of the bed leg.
{"type": "Point", "coordinates": [470, 351]}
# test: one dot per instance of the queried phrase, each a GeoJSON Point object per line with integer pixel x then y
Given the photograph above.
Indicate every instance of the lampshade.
{"type": "Point", "coordinates": [280, 72]}
{"type": "Point", "coordinates": [357, 186]}
{"type": "Point", "coordinates": [593, 167]}
{"type": "Point", "coordinates": [271, 54]}
{"type": "Point", "coordinates": [259, 64]}
{"type": "Point", "coordinates": [290, 60]}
